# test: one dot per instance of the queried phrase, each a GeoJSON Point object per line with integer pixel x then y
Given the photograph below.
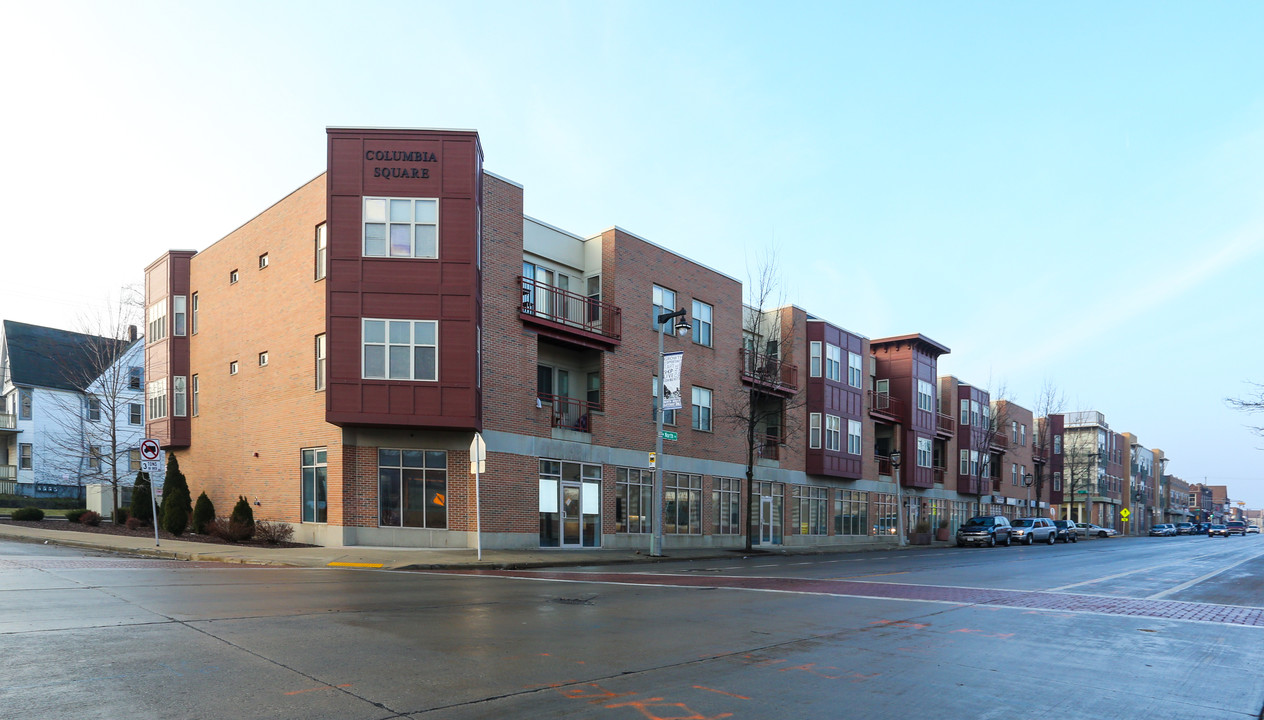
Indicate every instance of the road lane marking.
{"type": "Point", "coordinates": [355, 565]}
{"type": "Point", "coordinates": [1195, 581]}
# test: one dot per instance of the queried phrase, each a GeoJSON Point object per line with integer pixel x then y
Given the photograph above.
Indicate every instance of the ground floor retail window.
{"type": "Point", "coordinates": [682, 503]}
{"type": "Point", "coordinates": [726, 498]}
{"type": "Point", "coordinates": [315, 485]}
{"type": "Point", "coordinates": [851, 513]}
{"type": "Point", "coordinates": [885, 516]}
{"type": "Point", "coordinates": [936, 512]}
{"type": "Point", "coordinates": [412, 488]}
{"type": "Point", "coordinates": [961, 511]}
{"type": "Point", "coordinates": [633, 499]}
{"type": "Point", "coordinates": [570, 504]}
{"type": "Point", "coordinates": [807, 509]}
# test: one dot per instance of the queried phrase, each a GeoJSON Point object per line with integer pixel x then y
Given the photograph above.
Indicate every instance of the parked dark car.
{"type": "Point", "coordinates": [1185, 528]}
{"type": "Point", "coordinates": [989, 530]}
{"type": "Point", "coordinates": [1031, 530]}
{"type": "Point", "coordinates": [1214, 530]}
{"type": "Point", "coordinates": [1068, 531]}
{"type": "Point", "coordinates": [1236, 527]}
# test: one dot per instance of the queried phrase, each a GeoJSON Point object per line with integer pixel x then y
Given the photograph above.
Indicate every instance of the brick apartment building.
{"type": "Point", "coordinates": [332, 359]}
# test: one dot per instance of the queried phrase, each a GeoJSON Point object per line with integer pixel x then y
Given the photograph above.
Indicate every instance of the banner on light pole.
{"type": "Point", "coordinates": [671, 381]}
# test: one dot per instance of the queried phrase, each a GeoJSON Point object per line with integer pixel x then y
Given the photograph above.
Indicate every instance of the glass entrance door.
{"type": "Point", "coordinates": [571, 519]}
{"type": "Point", "coordinates": [765, 520]}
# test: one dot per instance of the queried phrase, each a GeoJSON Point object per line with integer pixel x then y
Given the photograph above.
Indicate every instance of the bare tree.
{"type": "Point", "coordinates": [987, 430]}
{"type": "Point", "coordinates": [1049, 401]}
{"type": "Point", "coordinates": [1251, 404]}
{"type": "Point", "coordinates": [1080, 468]}
{"type": "Point", "coordinates": [763, 413]}
{"type": "Point", "coordinates": [96, 427]}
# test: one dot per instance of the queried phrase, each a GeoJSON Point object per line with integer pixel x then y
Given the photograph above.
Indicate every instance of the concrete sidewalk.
{"type": "Point", "coordinates": [385, 557]}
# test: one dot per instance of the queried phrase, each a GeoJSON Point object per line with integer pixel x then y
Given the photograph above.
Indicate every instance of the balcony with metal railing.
{"type": "Point", "coordinates": [769, 446]}
{"type": "Point", "coordinates": [768, 372]}
{"type": "Point", "coordinates": [945, 424]}
{"type": "Point", "coordinates": [886, 406]}
{"type": "Point", "coordinates": [569, 413]}
{"type": "Point", "coordinates": [570, 316]}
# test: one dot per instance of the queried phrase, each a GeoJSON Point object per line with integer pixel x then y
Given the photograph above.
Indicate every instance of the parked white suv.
{"type": "Point", "coordinates": [1030, 530]}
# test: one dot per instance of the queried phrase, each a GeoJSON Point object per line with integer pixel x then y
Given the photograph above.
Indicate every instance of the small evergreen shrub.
{"type": "Point", "coordinates": [243, 515]}
{"type": "Point", "coordinates": [121, 517]}
{"type": "Point", "coordinates": [28, 514]}
{"type": "Point", "coordinates": [142, 505]}
{"type": "Point", "coordinates": [90, 518]}
{"type": "Point", "coordinates": [203, 514]}
{"type": "Point", "coordinates": [74, 515]}
{"type": "Point", "coordinates": [274, 532]}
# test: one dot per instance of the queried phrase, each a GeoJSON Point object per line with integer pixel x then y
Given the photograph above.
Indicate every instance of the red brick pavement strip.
{"type": "Point", "coordinates": [44, 563]}
{"type": "Point", "coordinates": [1107, 605]}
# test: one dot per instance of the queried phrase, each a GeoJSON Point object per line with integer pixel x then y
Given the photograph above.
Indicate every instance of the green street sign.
{"type": "Point", "coordinates": [669, 435]}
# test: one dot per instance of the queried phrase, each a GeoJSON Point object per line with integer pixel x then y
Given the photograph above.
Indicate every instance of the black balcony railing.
{"type": "Point", "coordinates": [569, 413]}
{"type": "Point", "coordinates": [768, 370]}
{"type": "Point", "coordinates": [571, 309]}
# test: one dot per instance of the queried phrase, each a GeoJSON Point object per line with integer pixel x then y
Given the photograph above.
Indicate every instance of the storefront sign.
{"type": "Point", "coordinates": [398, 172]}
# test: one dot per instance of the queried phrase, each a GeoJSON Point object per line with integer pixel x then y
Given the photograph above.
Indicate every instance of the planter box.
{"type": "Point", "coordinates": [918, 538]}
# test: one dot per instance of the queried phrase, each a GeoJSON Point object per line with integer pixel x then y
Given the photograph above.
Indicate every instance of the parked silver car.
{"type": "Point", "coordinates": [1092, 530]}
{"type": "Point", "coordinates": [1162, 530]}
{"type": "Point", "coordinates": [1030, 530]}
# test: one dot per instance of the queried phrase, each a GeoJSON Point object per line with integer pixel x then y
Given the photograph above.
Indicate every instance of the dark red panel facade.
{"type": "Point", "coordinates": [830, 397]}
{"type": "Point", "coordinates": [903, 361]}
{"type": "Point", "coordinates": [443, 165]}
{"type": "Point", "coordinates": [168, 357]}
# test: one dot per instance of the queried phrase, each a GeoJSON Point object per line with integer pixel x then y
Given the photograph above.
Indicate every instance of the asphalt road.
{"type": "Point", "coordinates": [1123, 628]}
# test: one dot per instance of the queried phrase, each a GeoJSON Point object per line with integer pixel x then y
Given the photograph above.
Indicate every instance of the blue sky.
{"type": "Point", "coordinates": [1071, 192]}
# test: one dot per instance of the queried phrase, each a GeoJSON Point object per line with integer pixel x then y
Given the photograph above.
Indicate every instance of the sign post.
{"type": "Point", "coordinates": [478, 466]}
{"type": "Point", "coordinates": [151, 462]}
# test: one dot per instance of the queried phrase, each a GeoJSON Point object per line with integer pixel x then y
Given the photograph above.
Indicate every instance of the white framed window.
{"type": "Point", "coordinates": [833, 363]}
{"type": "Point", "coordinates": [1013, 474]}
{"type": "Point", "coordinates": [701, 408]}
{"type": "Point", "coordinates": [701, 323]}
{"type": "Point", "coordinates": [854, 372]}
{"type": "Point", "coordinates": [923, 452]}
{"type": "Point", "coordinates": [814, 431]}
{"type": "Point", "coordinates": [833, 433]}
{"type": "Point", "coordinates": [964, 469]}
{"type": "Point", "coordinates": [263, 261]}
{"type": "Point", "coordinates": [135, 414]}
{"type": "Point", "coordinates": [314, 467]}
{"type": "Point", "coordinates": [401, 227]}
{"type": "Point", "coordinates": [24, 456]}
{"type": "Point", "coordinates": [193, 307]}
{"type": "Point", "coordinates": [232, 368]}
{"type": "Point", "coordinates": [1057, 481]}
{"type": "Point", "coordinates": [814, 352]}
{"type": "Point", "coordinates": [974, 462]}
{"type": "Point", "coordinates": [925, 396]}
{"type": "Point", "coordinates": [320, 362]}
{"type": "Point", "coordinates": [133, 460]}
{"type": "Point", "coordinates": [156, 398]}
{"type": "Point", "coordinates": [193, 403]}
{"type": "Point", "coordinates": [263, 359]}
{"type": "Point", "coordinates": [135, 376]}
{"type": "Point", "coordinates": [322, 251]}
{"type": "Point", "coordinates": [853, 437]}
{"type": "Point", "coordinates": [156, 317]}
{"type": "Point", "coordinates": [401, 350]}
{"type": "Point", "coordinates": [232, 277]}
{"type": "Point", "coordinates": [965, 412]}
{"type": "Point", "coordinates": [664, 301]}
{"type": "Point", "coordinates": [179, 315]}
{"type": "Point", "coordinates": [1057, 444]}
{"type": "Point", "coordinates": [179, 396]}
{"type": "Point", "coordinates": [94, 409]}
{"type": "Point", "coordinates": [1013, 430]}
{"type": "Point", "coordinates": [1022, 435]}
{"type": "Point", "coordinates": [987, 416]}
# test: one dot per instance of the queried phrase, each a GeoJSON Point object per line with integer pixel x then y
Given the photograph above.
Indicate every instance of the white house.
{"type": "Point", "coordinates": [72, 409]}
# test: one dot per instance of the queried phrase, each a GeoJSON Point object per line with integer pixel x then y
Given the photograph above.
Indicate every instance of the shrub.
{"type": "Point", "coordinates": [274, 532]}
{"type": "Point", "coordinates": [121, 516]}
{"type": "Point", "coordinates": [28, 513]}
{"type": "Point", "coordinates": [142, 505]}
{"type": "Point", "coordinates": [228, 530]}
{"type": "Point", "coordinates": [203, 513]}
{"type": "Point", "coordinates": [135, 523]}
{"type": "Point", "coordinates": [90, 518]}
{"type": "Point", "coordinates": [243, 514]}
{"type": "Point", "coordinates": [175, 497]}
{"type": "Point", "coordinates": [74, 515]}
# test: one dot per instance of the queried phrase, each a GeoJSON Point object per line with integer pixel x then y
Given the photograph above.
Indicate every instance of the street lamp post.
{"type": "Point", "coordinates": [899, 497]}
{"type": "Point", "coordinates": [1027, 481]}
{"type": "Point", "coordinates": [681, 328]}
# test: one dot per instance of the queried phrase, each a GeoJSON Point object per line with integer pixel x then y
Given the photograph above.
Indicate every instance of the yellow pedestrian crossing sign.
{"type": "Point", "coordinates": [1124, 514]}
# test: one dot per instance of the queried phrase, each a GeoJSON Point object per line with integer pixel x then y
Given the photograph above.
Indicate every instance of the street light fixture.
{"type": "Point", "coordinates": [681, 328]}
{"type": "Point", "coordinates": [899, 497]}
{"type": "Point", "coordinates": [1027, 481]}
